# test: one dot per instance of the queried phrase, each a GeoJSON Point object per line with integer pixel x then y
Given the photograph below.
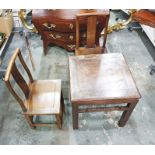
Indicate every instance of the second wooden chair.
{"type": "Point", "coordinates": [42, 97]}
{"type": "Point", "coordinates": [92, 45]}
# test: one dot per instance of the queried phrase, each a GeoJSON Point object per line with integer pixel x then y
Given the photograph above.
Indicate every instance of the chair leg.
{"type": "Point", "coordinates": [59, 120]}
{"type": "Point", "coordinates": [30, 121]}
{"type": "Point", "coordinates": [62, 103]}
{"type": "Point", "coordinates": [61, 114]}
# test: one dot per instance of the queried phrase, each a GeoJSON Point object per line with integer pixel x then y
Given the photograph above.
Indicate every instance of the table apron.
{"type": "Point", "coordinates": [108, 101]}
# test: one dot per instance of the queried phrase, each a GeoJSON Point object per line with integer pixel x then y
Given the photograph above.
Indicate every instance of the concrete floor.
{"type": "Point", "coordinates": [94, 128]}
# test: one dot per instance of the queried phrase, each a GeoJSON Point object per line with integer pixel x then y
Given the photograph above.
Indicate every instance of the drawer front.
{"type": "Point", "coordinates": [55, 25]}
{"type": "Point", "coordinates": [65, 40]}
{"type": "Point", "coordinates": [63, 37]}
{"type": "Point", "coordinates": [62, 26]}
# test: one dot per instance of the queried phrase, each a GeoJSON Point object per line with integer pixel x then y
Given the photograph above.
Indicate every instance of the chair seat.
{"type": "Point", "coordinates": [44, 98]}
{"type": "Point", "coordinates": [86, 51]}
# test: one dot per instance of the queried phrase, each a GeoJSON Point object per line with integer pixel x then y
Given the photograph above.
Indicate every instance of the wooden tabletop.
{"type": "Point", "coordinates": [101, 77]}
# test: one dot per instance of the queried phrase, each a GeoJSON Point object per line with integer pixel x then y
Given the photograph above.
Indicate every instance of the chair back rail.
{"type": "Point", "coordinates": [91, 28]}
{"type": "Point", "coordinates": [105, 32]}
{"type": "Point", "coordinates": [91, 31]}
{"type": "Point", "coordinates": [20, 80]}
{"type": "Point", "coordinates": [12, 70]}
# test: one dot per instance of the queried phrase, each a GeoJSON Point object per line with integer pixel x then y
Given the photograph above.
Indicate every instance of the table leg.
{"type": "Point", "coordinates": [75, 115]}
{"type": "Point", "coordinates": [126, 114]}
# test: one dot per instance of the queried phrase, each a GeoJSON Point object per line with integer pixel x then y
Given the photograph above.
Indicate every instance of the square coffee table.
{"type": "Point", "coordinates": [101, 80]}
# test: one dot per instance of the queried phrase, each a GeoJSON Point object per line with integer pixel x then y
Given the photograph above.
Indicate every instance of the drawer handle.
{"type": "Point", "coordinates": [55, 37]}
{"type": "Point", "coordinates": [71, 26]}
{"type": "Point", "coordinates": [49, 26]}
{"type": "Point", "coordinates": [71, 37]}
{"type": "Point", "coordinates": [71, 46]}
{"type": "Point", "coordinates": [84, 35]}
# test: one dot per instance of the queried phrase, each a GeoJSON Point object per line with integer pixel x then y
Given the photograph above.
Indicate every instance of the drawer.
{"type": "Point", "coordinates": [57, 25]}
{"type": "Point", "coordinates": [61, 26]}
{"type": "Point", "coordinates": [63, 37]}
{"type": "Point", "coordinates": [68, 46]}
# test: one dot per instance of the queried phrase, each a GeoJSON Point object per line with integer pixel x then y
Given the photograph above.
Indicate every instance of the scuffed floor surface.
{"type": "Point", "coordinates": [94, 128]}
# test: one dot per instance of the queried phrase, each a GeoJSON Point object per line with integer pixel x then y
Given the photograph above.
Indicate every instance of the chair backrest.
{"type": "Point", "coordinates": [12, 70]}
{"type": "Point", "coordinates": [93, 20]}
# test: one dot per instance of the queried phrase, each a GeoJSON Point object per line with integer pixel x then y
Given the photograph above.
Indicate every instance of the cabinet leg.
{"type": "Point", "coordinates": [45, 45]}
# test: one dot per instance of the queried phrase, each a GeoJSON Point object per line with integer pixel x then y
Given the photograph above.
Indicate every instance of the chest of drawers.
{"type": "Point", "coordinates": [58, 26]}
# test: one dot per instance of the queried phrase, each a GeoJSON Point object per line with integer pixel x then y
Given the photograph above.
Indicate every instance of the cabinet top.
{"type": "Point", "coordinates": [68, 14]}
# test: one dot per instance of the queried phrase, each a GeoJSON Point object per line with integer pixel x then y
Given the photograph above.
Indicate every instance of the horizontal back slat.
{"type": "Point", "coordinates": [20, 80]}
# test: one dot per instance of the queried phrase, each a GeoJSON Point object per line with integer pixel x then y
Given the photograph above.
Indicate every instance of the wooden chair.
{"type": "Point", "coordinates": [92, 45]}
{"type": "Point", "coordinates": [42, 97]}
